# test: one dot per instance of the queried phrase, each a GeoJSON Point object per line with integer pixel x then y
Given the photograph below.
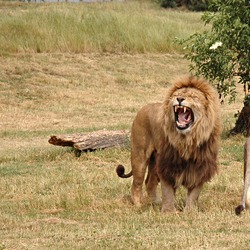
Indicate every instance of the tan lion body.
{"type": "Point", "coordinates": [178, 140]}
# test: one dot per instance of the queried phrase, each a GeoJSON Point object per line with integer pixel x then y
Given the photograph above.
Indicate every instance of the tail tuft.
{"type": "Point", "coordinates": [239, 209]}
{"type": "Point", "coordinates": [120, 170]}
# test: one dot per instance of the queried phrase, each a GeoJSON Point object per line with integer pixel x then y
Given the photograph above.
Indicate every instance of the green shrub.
{"type": "Point", "coordinates": [222, 55]}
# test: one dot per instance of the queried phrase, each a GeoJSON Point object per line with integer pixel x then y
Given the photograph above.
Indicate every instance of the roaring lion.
{"type": "Point", "coordinates": [178, 140]}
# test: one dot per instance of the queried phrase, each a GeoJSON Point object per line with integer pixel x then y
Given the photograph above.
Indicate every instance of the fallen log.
{"type": "Point", "coordinates": [92, 140]}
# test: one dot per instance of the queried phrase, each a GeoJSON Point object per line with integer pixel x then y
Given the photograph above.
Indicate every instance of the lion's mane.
{"type": "Point", "coordinates": [190, 159]}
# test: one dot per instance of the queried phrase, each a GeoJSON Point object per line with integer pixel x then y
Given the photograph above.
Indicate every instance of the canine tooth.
{"type": "Point", "coordinates": [185, 109]}
{"type": "Point", "coordinates": [175, 109]}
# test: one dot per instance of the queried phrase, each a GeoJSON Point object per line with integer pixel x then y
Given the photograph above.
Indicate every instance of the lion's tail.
{"type": "Point", "coordinates": [120, 170]}
{"type": "Point", "coordinates": [239, 209]}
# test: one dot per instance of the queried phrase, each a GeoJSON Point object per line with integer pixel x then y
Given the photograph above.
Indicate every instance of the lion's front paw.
{"type": "Point", "coordinates": [155, 200]}
{"type": "Point", "coordinates": [189, 209]}
{"type": "Point", "coordinates": [168, 209]}
{"type": "Point", "coordinates": [136, 201]}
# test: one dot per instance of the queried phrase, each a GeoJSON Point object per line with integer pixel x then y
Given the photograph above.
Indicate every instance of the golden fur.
{"type": "Point", "coordinates": [178, 140]}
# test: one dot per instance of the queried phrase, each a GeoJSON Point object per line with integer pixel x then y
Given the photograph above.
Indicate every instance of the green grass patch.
{"type": "Point", "coordinates": [131, 27]}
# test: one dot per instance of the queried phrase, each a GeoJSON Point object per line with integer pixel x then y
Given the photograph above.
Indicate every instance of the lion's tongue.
{"type": "Point", "coordinates": [184, 118]}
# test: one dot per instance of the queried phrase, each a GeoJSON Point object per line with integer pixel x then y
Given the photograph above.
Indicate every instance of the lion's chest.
{"type": "Point", "coordinates": [191, 172]}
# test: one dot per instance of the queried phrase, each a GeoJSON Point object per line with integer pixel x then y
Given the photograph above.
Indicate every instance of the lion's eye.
{"type": "Point", "coordinates": [195, 98]}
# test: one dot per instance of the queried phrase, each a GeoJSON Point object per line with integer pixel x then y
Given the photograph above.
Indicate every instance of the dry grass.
{"type": "Point", "coordinates": [66, 89]}
{"type": "Point", "coordinates": [50, 199]}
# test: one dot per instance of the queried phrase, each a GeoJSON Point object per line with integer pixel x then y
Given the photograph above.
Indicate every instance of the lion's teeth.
{"type": "Point", "coordinates": [185, 109]}
{"type": "Point", "coordinates": [175, 109]}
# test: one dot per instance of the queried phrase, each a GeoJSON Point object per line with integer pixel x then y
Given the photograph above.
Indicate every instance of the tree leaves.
{"type": "Point", "coordinates": [223, 53]}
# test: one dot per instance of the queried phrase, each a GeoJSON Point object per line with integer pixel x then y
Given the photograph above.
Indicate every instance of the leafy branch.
{"type": "Point", "coordinates": [222, 54]}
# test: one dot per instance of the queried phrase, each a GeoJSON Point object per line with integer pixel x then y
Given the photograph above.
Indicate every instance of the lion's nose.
{"type": "Point", "coordinates": [180, 100]}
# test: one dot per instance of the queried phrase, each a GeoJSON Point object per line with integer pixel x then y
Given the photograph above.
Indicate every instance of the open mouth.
{"type": "Point", "coordinates": [184, 116]}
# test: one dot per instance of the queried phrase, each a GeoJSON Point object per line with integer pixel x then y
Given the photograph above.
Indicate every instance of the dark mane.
{"type": "Point", "coordinates": [199, 168]}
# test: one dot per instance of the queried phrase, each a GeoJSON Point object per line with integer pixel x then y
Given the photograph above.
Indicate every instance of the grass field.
{"type": "Point", "coordinates": [130, 26]}
{"type": "Point", "coordinates": [51, 199]}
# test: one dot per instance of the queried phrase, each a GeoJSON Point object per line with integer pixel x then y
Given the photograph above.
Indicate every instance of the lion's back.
{"type": "Point", "coordinates": [147, 128]}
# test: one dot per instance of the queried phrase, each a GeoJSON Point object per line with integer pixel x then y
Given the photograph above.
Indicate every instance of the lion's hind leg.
{"type": "Point", "coordinates": [152, 180]}
{"type": "Point", "coordinates": [139, 169]}
{"type": "Point", "coordinates": [139, 162]}
{"type": "Point", "coordinates": [138, 178]}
